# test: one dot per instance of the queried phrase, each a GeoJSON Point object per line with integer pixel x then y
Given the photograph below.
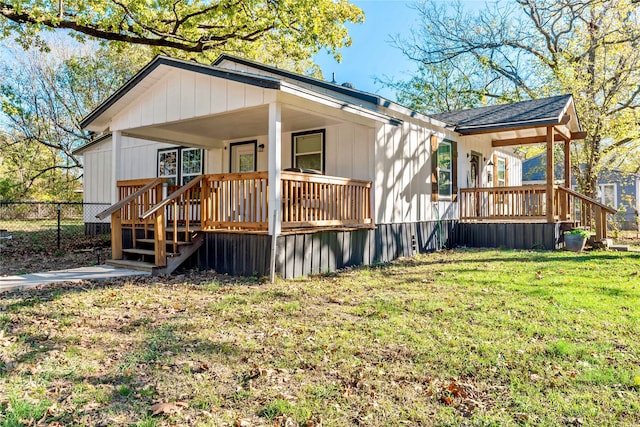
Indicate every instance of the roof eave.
{"type": "Point", "coordinates": [265, 82]}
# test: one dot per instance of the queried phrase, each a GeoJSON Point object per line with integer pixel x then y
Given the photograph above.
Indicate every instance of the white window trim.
{"type": "Point", "coordinates": [178, 164]}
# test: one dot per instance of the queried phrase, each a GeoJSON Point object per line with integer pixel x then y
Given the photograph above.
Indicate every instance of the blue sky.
{"type": "Point", "coordinates": [371, 54]}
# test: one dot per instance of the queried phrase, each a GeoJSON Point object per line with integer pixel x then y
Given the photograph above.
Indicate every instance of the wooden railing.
{"type": "Point", "coordinates": [319, 200]}
{"type": "Point", "coordinates": [529, 203]}
{"type": "Point", "coordinates": [135, 197]}
{"type": "Point", "coordinates": [583, 211]}
{"type": "Point", "coordinates": [235, 201]}
{"type": "Point", "coordinates": [182, 210]}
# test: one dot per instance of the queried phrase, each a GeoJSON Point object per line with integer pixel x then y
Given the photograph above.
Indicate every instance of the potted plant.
{"type": "Point", "coordinates": [575, 239]}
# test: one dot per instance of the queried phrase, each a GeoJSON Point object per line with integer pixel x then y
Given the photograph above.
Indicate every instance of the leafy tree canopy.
{"type": "Point", "coordinates": [274, 31]}
{"type": "Point", "coordinates": [521, 49]}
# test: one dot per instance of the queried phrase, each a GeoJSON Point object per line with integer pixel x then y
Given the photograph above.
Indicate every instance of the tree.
{"type": "Point", "coordinates": [534, 48]}
{"type": "Point", "coordinates": [43, 97]}
{"type": "Point", "coordinates": [274, 31]}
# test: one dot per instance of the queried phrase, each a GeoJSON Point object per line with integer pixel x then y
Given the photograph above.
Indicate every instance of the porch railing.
{"type": "Point", "coordinates": [235, 201]}
{"type": "Point", "coordinates": [135, 197]}
{"type": "Point", "coordinates": [526, 203]}
{"type": "Point", "coordinates": [321, 201]}
{"type": "Point", "coordinates": [529, 203]}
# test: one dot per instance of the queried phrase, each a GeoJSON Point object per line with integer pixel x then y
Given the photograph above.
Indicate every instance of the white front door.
{"type": "Point", "coordinates": [243, 157]}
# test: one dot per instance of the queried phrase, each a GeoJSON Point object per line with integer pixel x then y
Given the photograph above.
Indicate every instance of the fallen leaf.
{"type": "Point", "coordinates": [167, 408]}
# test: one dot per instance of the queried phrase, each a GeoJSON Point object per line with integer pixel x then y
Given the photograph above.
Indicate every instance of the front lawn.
{"type": "Point", "coordinates": [474, 338]}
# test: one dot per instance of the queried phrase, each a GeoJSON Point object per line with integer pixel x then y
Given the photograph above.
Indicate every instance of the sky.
{"type": "Point", "coordinates": [371, 54]}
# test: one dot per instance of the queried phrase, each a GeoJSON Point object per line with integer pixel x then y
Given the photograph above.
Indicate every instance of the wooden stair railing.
{"type": "Point", "coordinates": [135, 195]}
{"type": "Point", "coordinates": [185, 207]}
{"type": "Point", "coordinates": [583, 211]}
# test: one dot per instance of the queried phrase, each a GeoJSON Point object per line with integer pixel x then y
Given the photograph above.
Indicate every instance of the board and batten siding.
{"type": "Point", "coordinates": [482, 144]}
{"type": "Point", "coordinates": [403, 175]}
{"type": "Point", "coordinates": [348, 151]}
{"type": "Point", "coordinates": [181, 95]}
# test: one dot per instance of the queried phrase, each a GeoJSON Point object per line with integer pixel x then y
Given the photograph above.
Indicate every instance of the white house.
{"type": "Point", "coordinates": [387, 181]}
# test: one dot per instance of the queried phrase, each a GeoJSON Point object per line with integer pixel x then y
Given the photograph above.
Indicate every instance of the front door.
{"type": "Point", "coordinates": [474, 178]}
{"type": "Point", "coordinates": [243, 157]}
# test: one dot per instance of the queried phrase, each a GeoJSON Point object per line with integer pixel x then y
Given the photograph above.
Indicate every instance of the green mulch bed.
{"type": "Point", "coordinates": [476, 338]}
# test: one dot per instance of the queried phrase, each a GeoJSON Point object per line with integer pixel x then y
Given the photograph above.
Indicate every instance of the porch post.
{"type": "Point", "coordinates": [550, 176]}
{"type": "Point", "coordinates": [116, 146]}
{"type": "Point", "coordinates": [567, 178]}
{"type": "Point", "coordinates": [275, 165]}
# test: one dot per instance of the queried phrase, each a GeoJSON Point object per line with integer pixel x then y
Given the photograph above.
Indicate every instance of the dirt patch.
{"type": "Point", "coordinates": [20, 256]}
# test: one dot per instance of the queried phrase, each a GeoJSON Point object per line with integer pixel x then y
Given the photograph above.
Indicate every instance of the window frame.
{"type": "Point", "coordinates": [237, 144]}
{"type": "Point", "coordinates": [294, 155]}
{"type": "Point", "coordinates": [503, 161]}
{"type": "Point", "coordinates": [179, 164]}
{"type": "Point", "coordinates": [193, 175]}
{"type": "Point", "coordinates": [449, 195]}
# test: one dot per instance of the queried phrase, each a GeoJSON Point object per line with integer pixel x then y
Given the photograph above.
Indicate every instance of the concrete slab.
{"type": "Point", "coordinates": [98, 272]}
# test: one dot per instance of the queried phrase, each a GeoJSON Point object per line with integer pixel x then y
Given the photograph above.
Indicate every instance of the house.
{"type": "Point", "coordinates": [190, 154]}
{"type": "Point", "coordinates": [617, 189]}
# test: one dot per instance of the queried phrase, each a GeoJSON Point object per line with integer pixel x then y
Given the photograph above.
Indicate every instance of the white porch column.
{"type": "Point", "coordinates": [116, 146]}
{"type": "Point", "coordinates": [275, 165]}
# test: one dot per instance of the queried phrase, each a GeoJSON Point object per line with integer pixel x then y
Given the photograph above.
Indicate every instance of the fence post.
{"type": "Point", "coordinates": [59, 213]}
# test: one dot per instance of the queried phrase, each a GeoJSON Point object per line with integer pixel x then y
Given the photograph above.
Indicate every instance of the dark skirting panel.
{"type": "Point", "coordinates": [97, 228]}
{"type": "Point", "coordinates": [509, 235]}
{"type": "Point", "coordinates": [324, 251]}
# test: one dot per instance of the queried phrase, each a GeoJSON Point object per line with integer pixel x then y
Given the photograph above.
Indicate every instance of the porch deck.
{"type": "Point", "coordinates": [233, 202]}
{"type": "Point", "coordinates": [530, 204]}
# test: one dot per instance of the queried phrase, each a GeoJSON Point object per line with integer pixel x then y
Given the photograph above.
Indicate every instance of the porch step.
{"type": "Point", "coordinates": [132, 265]}
{"type": "Point", "coordinates": [168, 242]}
{"type": "Point", "coordinates": [619, 248]}
{"type": "Point", "coordinates": [138, 251]}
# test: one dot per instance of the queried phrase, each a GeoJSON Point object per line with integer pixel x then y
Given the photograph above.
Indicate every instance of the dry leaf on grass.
{"type": "Point", "coordinates": [167, 408]}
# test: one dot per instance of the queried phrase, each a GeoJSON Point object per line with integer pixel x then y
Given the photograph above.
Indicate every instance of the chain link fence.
{"type": "Point", "coordinates": [61, 226]}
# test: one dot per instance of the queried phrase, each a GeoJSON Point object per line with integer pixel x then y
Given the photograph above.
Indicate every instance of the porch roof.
{"type": "Point", "coordinates": [337, 96]}
{"type": "Point", "coordinates": [525, 120]}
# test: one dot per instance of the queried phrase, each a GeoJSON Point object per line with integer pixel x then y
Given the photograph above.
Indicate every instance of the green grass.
{"type": "Point", "coordinates": [476, 338]}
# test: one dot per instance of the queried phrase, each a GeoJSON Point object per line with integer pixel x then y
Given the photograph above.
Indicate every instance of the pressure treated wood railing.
{"type": "Point", "coordinates": [135, 197]}
{"type": "Point", "coordinates": [583, 211]}
{"type": "Point", "coordinates": [235, 201]}
{"type": "Point", "coordinates": [182, 210]}
{"type": "Point", "coordinates": [529, 203]}
{"type": "Point", "coordinates": [322, 201]}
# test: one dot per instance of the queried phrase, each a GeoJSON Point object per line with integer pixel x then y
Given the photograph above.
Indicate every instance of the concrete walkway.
{"type": "Point", "coordinates": [98, 272]}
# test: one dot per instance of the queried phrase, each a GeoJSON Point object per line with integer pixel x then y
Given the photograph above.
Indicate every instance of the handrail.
{"type": "Point", "coordinates": [117, 206]}
{"type": "Point", "coordinates": [589, 200]}
{"type": "Point", "coordinates": [171, 197]}
{"type": "Point", "coordinates": [322, 179]}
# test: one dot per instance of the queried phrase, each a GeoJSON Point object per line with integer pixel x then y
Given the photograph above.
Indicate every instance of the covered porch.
{"type": "Point", "coordinates": [549, 121]}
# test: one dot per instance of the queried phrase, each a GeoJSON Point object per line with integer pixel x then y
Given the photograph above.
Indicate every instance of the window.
{"type": "Point", "coordinates": [308, 150]}
{"type": "Point", "coordinates": [191, 164]}
{"type": "Point", "coordinates": [168, 165]}
{"type": "Point", "coordinates": [444, 169]}
{"type": "Point", "coordinates": [501, 172]}
{"type": "Point", "coordinates": [608, 195]}
{"type": "Point", "coordinates": [180, 165]}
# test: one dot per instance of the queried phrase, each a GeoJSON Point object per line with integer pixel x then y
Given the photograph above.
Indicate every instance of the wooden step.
{"type": "Point", "coordinates": [168, 242]}
{"type": "Point", "coordinates": [182, 228]}
{"type": "Point", "coordinates": [132, 265]}
{"type": "Point", "coordinates": [138, 251]}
